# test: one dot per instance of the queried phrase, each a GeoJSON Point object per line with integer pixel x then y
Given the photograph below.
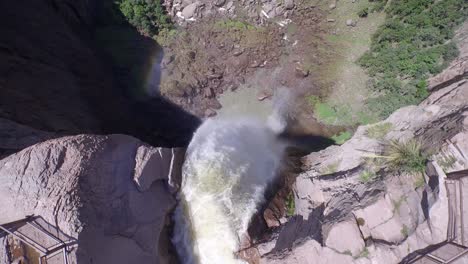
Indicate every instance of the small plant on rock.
{"type": "Point", "coordinates": [404, 231]}
{"type": "Point", "coordinates": [364, 253]}
{"type": "Point", "coordinates": [290, 204]}
{"type": "Point", "coordinates": [360, 221]}
{"type": "Point", "coordinates": [405, 156]}
{"type": "Point", "coordinates": [367, 176]}
{"type": "Point", "coordinates": [447, 162]}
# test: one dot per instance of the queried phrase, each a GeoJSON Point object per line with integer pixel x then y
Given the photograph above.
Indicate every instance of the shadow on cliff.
{"type": "Point", "coordinates": [72, 67]}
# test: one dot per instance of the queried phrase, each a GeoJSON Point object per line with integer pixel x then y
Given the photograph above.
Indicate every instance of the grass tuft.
{"type": "Point", "coordinates": [404, 231]}
{"type": "Point", "coordinates": [405, 156]}
{"type": "Point", "coordinates": [367, 176]}
{"type": "Point", "coordinates": [290, 204]}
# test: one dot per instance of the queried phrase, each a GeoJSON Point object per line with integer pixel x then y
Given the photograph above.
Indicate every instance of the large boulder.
{"type": "Point", "coordinates": [111, 193]}
{"type": "Point", "coordinates": [345, 237]}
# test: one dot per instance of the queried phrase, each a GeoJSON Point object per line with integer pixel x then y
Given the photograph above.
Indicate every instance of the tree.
{"type": "Point", "coordinates": [148, 16]}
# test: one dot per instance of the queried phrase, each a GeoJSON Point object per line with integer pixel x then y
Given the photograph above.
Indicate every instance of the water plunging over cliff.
{"type": "Point", "coordinates": [229, 164]}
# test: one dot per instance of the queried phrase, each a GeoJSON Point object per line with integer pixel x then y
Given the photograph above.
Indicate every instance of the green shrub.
{"type": "Point", "coordinates": [360, 221]}
{"type": "Point", "coordinates": [367, 176]}
{"type": "Point", "coordinates": [379, 131]}
{"type": "Point", "coordinates": [363, 12]}
{"type": "Point", "coordinates": [405, 156]}
{"type": "Point", "coordinates": [290, 204]}
{"type": "Point", "coordinates": [166, 36]}
{"type": "Point", "coordinates": [148, 16]}
{"type": "Point", "coordinates": [342, 137]}
{"type": "Point", "coordinates": [413, 43]}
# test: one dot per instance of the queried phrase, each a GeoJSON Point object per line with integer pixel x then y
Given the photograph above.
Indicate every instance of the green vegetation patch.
{"type": "Point", "coordinates": [234, 24]}
{"type": "Point", "coordinates": [148, 16]}
{"type": "Point", "coordinates": [363, 12]}
{"type": "Point", "coordinates": [334, 114]}
{"type": "Point", "coordinates": [413, 43]}
{"type": "Point", "coordinates": [342, 137]}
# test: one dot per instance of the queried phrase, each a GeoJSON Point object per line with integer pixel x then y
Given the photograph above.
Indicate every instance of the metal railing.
{"type": "Point", "coordinates": [60, 247]}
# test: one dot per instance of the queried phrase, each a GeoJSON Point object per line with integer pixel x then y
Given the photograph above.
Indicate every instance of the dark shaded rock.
{"type": "Point", "coordinates": [58, 74]}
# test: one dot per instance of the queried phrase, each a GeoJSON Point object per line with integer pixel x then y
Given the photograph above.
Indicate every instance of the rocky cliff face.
{"type": "Point", "coordinates": [341, 216]}
{"type": "Point", "coordinates": [56, 77]}
{"type": "Point", "coordinates": [113, 194]}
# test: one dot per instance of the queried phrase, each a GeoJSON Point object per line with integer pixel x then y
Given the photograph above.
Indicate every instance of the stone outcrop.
{"type": "Point", "coordinates": [111, 193]}
{"type": "Point", "coordinates": [183, 11]}
{"type": "Point", "coordinates": [350, 209]}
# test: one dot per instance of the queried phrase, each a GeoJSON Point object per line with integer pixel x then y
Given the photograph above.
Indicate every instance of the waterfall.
{"type": "Point", "coordinates": [228, 165]}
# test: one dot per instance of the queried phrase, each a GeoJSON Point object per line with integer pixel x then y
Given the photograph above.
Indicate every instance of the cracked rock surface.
{"type": "Point", "coordinates": [340, 217]}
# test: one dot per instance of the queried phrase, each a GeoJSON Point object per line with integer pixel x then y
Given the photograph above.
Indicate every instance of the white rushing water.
{"type": "Point", "coordinates": [228, 165]}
